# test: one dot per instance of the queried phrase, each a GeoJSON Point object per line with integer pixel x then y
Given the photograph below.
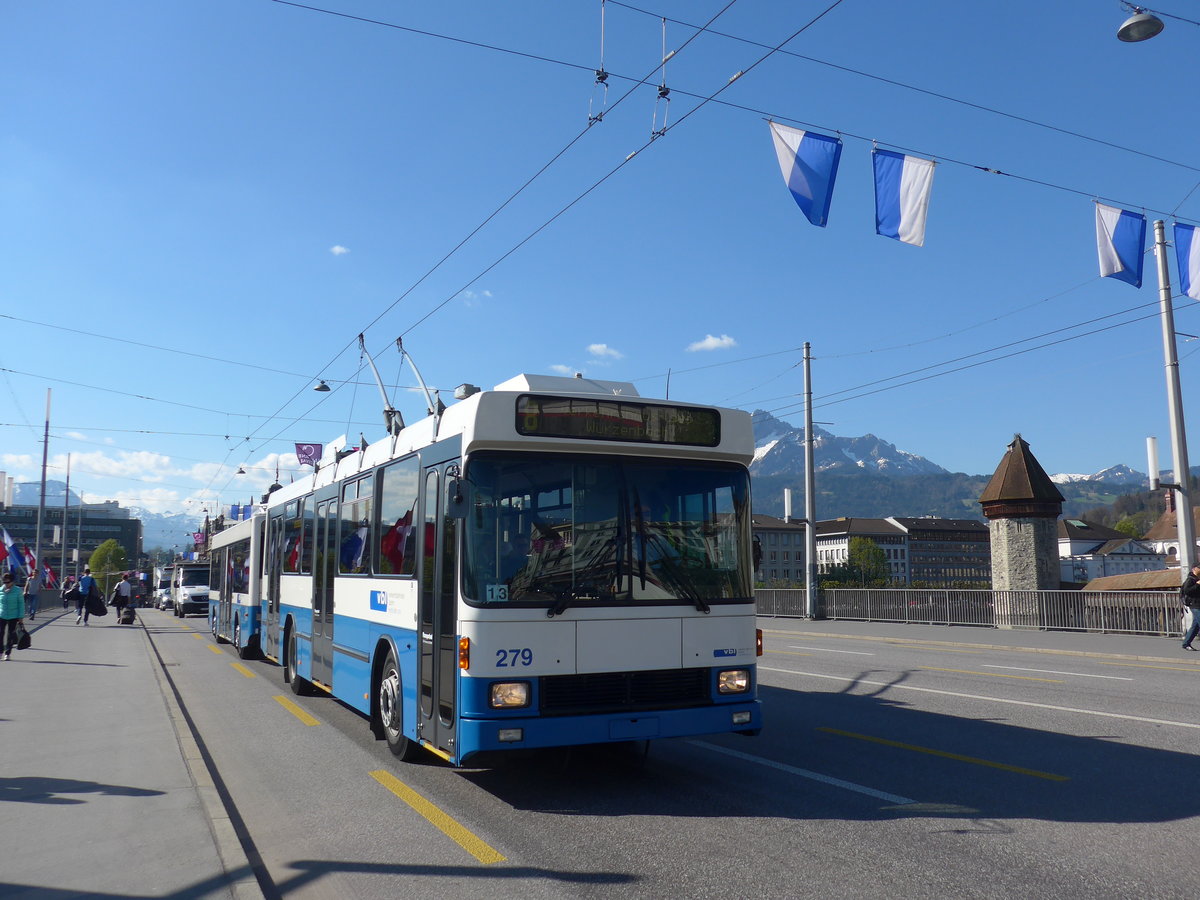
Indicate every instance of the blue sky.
{"type": "Point", "coordinates": [204, 203]}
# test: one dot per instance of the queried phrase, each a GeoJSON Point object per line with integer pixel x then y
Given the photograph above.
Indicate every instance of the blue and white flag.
{"type": "Point", "coordinates": [1120, 243]}
{"type": "Point", "coordinates": [1187, 254]}
{"type": "Point", "coordinates": [809, 162]}
{"type": "Point", "coordinates": [902, 188]}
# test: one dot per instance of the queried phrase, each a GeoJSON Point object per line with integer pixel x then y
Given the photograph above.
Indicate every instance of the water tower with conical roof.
{"type": "Point", "coordinates": [1022, 506]}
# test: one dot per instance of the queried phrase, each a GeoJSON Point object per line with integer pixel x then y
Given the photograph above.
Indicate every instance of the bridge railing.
{"type": "Point", "coordinates": [1133, 612]}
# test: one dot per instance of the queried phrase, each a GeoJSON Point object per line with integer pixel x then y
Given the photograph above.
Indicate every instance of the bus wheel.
{"type": "Point", "coordinates": [299, 685]}
{"type": "Point", "coordinates": [212, 621]}
{"type": "Point", "coordinates": [242, 652]}
{"type": "Point", "coordinates": [390, 712]}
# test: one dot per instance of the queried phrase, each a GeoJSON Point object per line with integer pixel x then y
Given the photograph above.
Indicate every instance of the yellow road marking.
{"type": "Point", "coordinates": [216, 650]}
{"type": "Point", "coordinates": [440, 820]}
{"type": "Point", "coordinates": [1143, 666]}
{"type": "Point", "coordinates": [296, 711]}
{"type": "Point", "coordinates": [198, 637]}
{"type": "Point", "coordinates": [243, 670]}
{"type": "Point", "coordinates": [993, 674]}
{"type": "Point", "coordinates": [942, 753]}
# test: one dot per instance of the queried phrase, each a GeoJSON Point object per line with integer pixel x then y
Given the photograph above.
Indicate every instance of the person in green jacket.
{"type": "Point", "coordinates": [12, 611]}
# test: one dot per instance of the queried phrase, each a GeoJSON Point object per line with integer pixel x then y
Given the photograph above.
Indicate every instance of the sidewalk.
{"type": "Point", "coordinates": [1144, 648]}
{"type": "Point", "coordinates": [96, 795]}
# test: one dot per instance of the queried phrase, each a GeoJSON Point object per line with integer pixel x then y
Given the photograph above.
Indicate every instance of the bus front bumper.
{"type": "Point", "coordinates": [478, 734]}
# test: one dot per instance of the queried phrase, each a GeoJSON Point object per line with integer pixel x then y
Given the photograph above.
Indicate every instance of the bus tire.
{"type": "Point", "coordinates": [391, 716]}
{"type": "Point", "coordinates": [242, 652]}
{"type": "Point", "coordinates": [212, 621]}
{"type": "Point", "coordinates": [300, 687]}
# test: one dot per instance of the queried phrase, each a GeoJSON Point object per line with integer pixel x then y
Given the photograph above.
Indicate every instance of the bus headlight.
{"type": "Point", "coordinates": [509, 694]}
{"type": "Point", "coordinates": [733, 681]}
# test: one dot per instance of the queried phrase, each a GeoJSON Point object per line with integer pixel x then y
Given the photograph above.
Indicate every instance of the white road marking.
{"type": "Point", "coordinates": [1056, 672]}
{"type": "Point", "coordinates": [911, 687]}
{"type": "Point", "coordinates": [805, 773]}
{"type": "Point", "coordinates": [827, 650]}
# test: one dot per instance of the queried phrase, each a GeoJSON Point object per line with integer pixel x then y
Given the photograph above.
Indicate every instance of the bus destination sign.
{"type": "Point", "coordinates": [617, 420]}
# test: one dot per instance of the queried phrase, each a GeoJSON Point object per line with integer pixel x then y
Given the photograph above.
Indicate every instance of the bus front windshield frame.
{"type": "Point", "coordinates": [559, 530]}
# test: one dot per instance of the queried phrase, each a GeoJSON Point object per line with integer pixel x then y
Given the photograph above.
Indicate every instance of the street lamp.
{"type": "Point", "coordinates": [1141, 26]}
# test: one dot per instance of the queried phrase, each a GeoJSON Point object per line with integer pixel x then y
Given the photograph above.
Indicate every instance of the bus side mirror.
{"type": "Point", "coordinates": [456, 502]}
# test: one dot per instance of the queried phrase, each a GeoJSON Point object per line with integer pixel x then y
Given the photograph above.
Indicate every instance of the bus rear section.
{"type": "Point", "coordinates": [234, 582]}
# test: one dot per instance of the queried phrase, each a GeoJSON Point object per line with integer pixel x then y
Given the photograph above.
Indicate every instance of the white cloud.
{"type": "Point", "coordinates": [712, 343]}
{"type": "Point", "coordinates": [563, 370]}
{"type": "Point", "coordinates": [12, 461]}
{"type": "Point", "coordinates": [143, 465]}
{"type": "Point", "coordinates": [474, 298]}
{"type": "Point", "coordinates": [603, 351]}
{"type": "Point", "coordinates": [339, 250]}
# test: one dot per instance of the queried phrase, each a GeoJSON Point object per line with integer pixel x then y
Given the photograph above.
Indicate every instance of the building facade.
{"type": "Point", "coordinates": [778, 551]}
{"type": "Point", "coordinates": [87, 528]}
{"type": "Point", "coordinates": [919, 551]}
{"type": "Point", "coordinates": [1087, 551]}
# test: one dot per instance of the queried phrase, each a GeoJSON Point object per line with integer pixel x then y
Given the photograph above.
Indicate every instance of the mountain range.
{"type": "Point", "coordinates": [870, 477]}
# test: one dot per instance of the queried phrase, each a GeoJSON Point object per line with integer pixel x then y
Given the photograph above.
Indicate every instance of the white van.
{"type": "Point", "coordinates": [162, 587]}
{"type": "Point", "coordinates": [189, 589]}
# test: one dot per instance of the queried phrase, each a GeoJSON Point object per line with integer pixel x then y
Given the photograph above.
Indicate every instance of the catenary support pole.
{"type": "Point", "coordinates": [39, 566]}
{"type": "Point", "coordinates": [810, 499]}
{"type": "Point", "coordinates": [1183, 488]}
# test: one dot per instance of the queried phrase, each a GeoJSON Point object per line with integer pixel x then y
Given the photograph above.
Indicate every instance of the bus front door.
{"type": "Point", "coordinates": [327, 560]}
{"type": "Point", "coordinates": [438, 663]}
{"type": "Point", "coordinates": [270, 598]}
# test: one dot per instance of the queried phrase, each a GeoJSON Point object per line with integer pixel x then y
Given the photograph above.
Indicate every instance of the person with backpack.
{"type": "Point", "coordinates": [1189, 593]}
{"type": "Point", "coordinates": [87, 586]}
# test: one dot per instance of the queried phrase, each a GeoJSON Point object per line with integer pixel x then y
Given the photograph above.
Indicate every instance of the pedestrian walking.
{"type": "Point", "coordinates": [124, 594]}
{"type": "Point", "coordinates": [33, 589]}
{"type": "Point", "coordinates": [1189, 593]}
{"type": "Point", "coordinates": [87, 586]}
{"type": "Point", "coordinates": [12, 612]}
{"type": "Point", "coordinates": [69, 592]}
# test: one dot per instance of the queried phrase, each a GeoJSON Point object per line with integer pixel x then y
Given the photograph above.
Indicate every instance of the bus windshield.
{"type": "Point", "coordinates": [572, 531]}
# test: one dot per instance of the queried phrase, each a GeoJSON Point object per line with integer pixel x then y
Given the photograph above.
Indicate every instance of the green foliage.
{"type": "Point", "coordinates": [107, 560]}
{"type": "Point", "coordinates": [866, 566]}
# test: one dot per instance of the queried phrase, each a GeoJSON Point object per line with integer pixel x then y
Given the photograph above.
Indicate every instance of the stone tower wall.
{"type": "Point", "coordinates": [1025, 554]}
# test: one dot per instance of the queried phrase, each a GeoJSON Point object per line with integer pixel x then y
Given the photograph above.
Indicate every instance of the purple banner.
{"type": "Point", "coordinates": [308, 454]}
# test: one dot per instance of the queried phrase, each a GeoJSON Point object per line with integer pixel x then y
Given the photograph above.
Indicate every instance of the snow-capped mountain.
{"type": "Point", "coordinates": [779, 450]}
{"type": "Point", "coordinates": [1118, 474]}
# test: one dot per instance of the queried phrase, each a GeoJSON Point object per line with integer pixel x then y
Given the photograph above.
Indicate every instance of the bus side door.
{"type": "Point", "coordinates": [437, 608]}
{"type": "Point", "coordinates": [326, 550]}
{"type": "Point", "coordinates": [274, 563]}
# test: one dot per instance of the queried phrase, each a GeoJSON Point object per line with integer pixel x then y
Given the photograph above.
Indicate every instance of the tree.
{"type": "Point", "coordinates": [105, 560]}
{"type": "Point", "coordinates": [866, 565]}
{"type": "Point", "coordinates": [867, 560]}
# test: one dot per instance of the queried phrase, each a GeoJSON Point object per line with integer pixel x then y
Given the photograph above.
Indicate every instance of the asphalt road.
{"type": "Point", "coordinates": [889, 766]}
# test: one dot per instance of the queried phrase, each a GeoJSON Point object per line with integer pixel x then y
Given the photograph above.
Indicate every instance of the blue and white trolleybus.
{"type": "Point", "coordinates": [553, 562]}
